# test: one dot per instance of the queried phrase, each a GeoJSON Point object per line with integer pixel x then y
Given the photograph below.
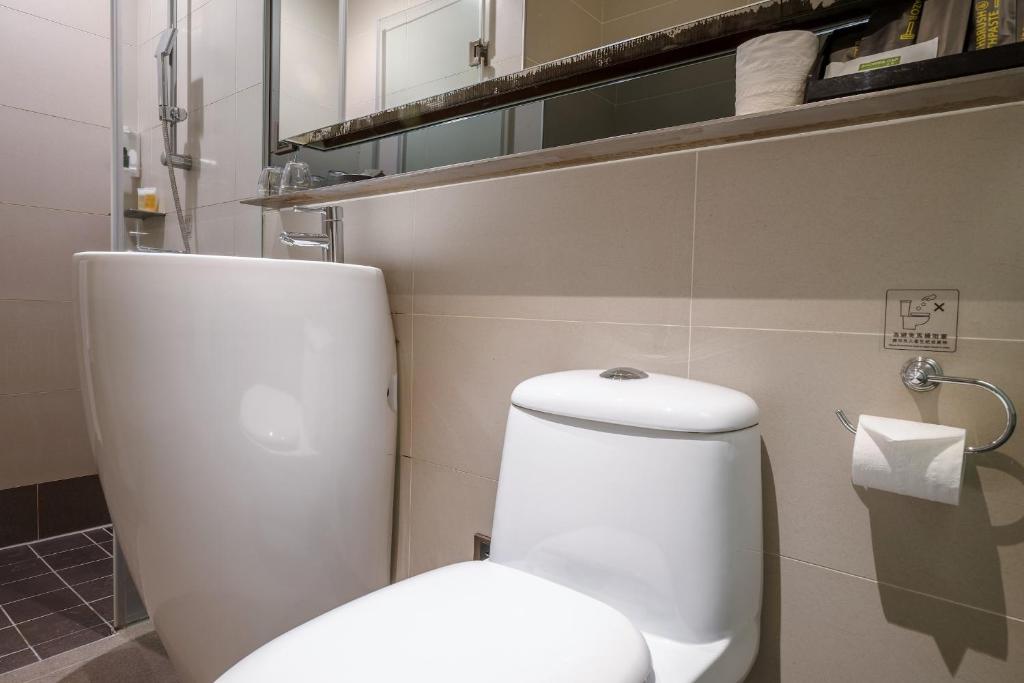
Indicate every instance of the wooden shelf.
{"type": "Point", "coordinates": [997, 87]}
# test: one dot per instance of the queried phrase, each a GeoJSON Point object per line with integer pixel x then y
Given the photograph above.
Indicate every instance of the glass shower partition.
{"type": "Point", "coordinates": [125, 217]}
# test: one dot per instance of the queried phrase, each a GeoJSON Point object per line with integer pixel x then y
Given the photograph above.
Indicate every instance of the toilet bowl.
{"type": "Point", "coordinates": [626, 549]}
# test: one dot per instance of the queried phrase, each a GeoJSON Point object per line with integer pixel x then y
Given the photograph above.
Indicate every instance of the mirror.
{"type": "Point", "coordinates": [345, 60]}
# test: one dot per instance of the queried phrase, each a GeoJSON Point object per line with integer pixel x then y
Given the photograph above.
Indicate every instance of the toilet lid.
{"type": "Point", "coordinates": [475, 621]}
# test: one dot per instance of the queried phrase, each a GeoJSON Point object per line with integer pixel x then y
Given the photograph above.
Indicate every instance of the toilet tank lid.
{"type": "Point", "coordinates": [652, 401]}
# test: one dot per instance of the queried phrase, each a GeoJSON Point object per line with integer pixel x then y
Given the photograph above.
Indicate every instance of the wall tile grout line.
{"type": "Point", "coordinates": [413, 200]}
{"type": "Point", "coordinates": [846, 332]}
{"type": "Point", "coordinates": [782, 329]}
{"type": "Point", "coordinates": [408, 536]}
{"type": "Point", "coordinates": [55, 116]}
{"type": "Point", "coordinates": [72, 588]}
{"type": "Point", "coordinates": [587, 12]}
{"type": "Point", "coordinates": [8, 202]}
{"type": "Point", "coordinates": [36, 301]}
{"type": "Point", "coordinates": [54, 21]}
{"type": "Point", "coordinates": [676, 325]}
{"type": "Point", "coordinates": [693, 263]}
{"type": "Point", "coordinates": [449, 468]}
{"type": "Point", "coordinates": [635, 13]}
{"type": "Point", "coordinates": [897, 587]}
{"type": "Point", "coordinates": [204, 106]}
{"type": "Point", "coordinates": [542, 320]}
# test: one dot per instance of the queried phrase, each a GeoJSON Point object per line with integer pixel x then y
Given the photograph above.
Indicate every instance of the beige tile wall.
{"type": "Point", "coordinates": [759, 266]}
{"type": "Point", "coordinates": [220, 83]}
{"type": "Point", "coordinates": [54, 201]}
{"type": "Point", "coordinates": [55, 184]}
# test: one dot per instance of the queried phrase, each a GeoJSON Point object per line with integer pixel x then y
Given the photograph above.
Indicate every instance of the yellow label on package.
{"type": "Point", "coordinates": [879, 64]}
{"type": "Point", "coordinates": [881, 60]}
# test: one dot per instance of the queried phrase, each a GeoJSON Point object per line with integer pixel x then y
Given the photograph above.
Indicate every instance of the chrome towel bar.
{"type": "Point", "coordinates": [924, 374]}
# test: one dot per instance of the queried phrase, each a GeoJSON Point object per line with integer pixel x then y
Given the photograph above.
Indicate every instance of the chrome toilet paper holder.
{"type": "Point", "coordinates": [924, 374]}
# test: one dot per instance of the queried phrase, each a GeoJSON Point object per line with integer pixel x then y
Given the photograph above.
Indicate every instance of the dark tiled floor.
{"type": "Point", "coordinates": [55, 595]}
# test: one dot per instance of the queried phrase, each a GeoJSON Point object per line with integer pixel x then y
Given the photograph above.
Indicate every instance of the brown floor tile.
{"type": "Point", "coordinates": [96, 589]}
{"type": "Point", "coordinates": [59, 625]}
{"type": "Point", "coordinates": [105, 608]}
{"type": "Point", "coordinates": [61, 544]}
{"type": "Point", "coordinates": [73, 640]}
{"type": "Point", "coordinates": [99, 535]}
{"type": "Point", "coordinates": [73, 558]}
{"type": "Point", "coordinates": [41, 605]}
{"type": "Point", "coordinates": [11, 641]}
{"type": "Point", "coordinates": [108, 546]}
{"type": "Point", "coordinates": [87, 572]}
{"type": "Point", "coordinates": [4, 621]}
{"type": "Point", "coordinates": [22, 570]}
{"type": "Point", "coordinates": [18, 553]}
{"type": "Point", "coordinates": [27, 588]}
{"type": "Point", "coordinates": [17, 660]}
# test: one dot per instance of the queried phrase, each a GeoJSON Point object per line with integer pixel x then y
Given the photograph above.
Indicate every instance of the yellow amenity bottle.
{"type": "Point", "coordinates": [148, 200]}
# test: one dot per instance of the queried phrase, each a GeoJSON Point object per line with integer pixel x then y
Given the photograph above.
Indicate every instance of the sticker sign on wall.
{"type": "Point", "coordinates": [921, 319]}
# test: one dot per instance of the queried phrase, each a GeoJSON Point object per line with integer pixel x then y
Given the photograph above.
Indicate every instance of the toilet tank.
{"type": "Point", "coordinates": [643, 493]}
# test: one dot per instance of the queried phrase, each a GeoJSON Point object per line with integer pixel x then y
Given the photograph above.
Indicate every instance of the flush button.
{"type": "Point", "coordinates": [624, 373]}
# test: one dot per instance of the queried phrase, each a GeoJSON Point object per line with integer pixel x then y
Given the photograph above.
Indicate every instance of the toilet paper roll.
{"type": "Point", "coordinates": [911, 458]}
{"type": "Point", "coordinates": [771, 70]}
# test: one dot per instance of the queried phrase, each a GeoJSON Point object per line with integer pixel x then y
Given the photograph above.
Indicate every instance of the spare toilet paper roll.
{"type": "Point", "coordinates": [911, 458]}
{"type": "Point", "coordinates": [771, 70]}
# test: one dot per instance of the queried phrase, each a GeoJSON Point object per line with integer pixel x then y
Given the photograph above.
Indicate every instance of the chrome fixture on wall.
{"type": "Point", "coordinates": [924, 374]}
{"type": "Point", "coordinates": [171, 115]}
{"type": "Point", "coordinates": [167, 95]}
{"type": "Point", "coordinates": [331, 239]}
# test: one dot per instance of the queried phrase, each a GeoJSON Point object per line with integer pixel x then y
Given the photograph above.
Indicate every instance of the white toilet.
{"type": "Point", "coordinates": [626, 549]}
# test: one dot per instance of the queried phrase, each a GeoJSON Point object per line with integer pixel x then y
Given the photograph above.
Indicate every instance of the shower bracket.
{"type": "Point", "coordinates": [182, 161]}
{"type": "Point", "coordinates": [172, 114]}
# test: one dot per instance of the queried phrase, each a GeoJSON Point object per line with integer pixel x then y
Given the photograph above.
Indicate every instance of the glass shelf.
{"type": "Point", "coordinates": [143, 215]}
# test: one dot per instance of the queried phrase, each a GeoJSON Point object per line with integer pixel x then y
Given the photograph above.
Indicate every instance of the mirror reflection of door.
{"type": "Point", "coordinates": [338, 60]}
{"type": "Point", "coordinates": [431, 48]}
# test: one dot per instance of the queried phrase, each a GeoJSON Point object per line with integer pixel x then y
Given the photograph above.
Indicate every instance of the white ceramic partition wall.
{"type": "Point", "coordinates": [243, 418]}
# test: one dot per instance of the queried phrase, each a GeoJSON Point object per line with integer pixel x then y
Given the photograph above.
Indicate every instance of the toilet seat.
{"type": "Point", "coordinates": [474, 621]}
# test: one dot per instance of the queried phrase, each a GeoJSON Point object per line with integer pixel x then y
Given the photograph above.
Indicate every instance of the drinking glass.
{"type": "Point", "coordinates": [295, 177]}
{"type": "Point", "coordinates": [269, 182]}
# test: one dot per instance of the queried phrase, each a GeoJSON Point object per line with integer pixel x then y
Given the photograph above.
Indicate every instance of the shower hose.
{"type": "Point", "coordinates": [184, 225]}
